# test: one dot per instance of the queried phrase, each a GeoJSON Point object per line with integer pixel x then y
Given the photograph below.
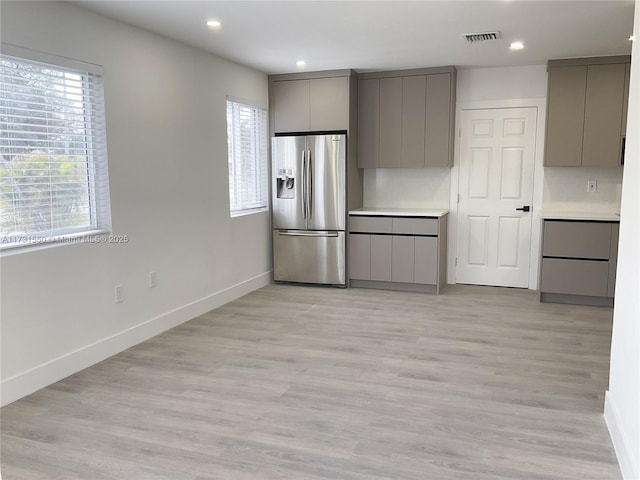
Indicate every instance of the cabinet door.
{"type": "Point", "coordinates": [613, 260]}
{"type": "Point", "coordinates": [565, 116]}
{"type": "Point", "coordinates": [438, 124]}
{"type": "Point", "coordinates": [329, 103]}
{"type": "Point", "coordinates": [413, 120]}
{"type": "Point", "coordinates": [290, 103]}
{"type": "Point", "coordinates": [625, 98]}
{"type": "Point", "coordinates": [368, 122]}
{"type": "Point", "coordinates": [381, 258]}
{"type": "Point", "coordinates": [426, 260]}
{"type": "Point", "coordinates": [360, 257]}
{"type": "Point", "coordinates": [390, 122]}
{"type": "Point", "coordinates": [402, 259]}
{"type": "Point", "coordinates": [603, 115]}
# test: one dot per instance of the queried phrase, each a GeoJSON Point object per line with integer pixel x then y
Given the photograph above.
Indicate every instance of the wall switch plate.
{"type": "Point", "coordinates": [592, 186]}
{"type": "Point", "coordinates": [119, 292]}
{"type": "Point", "coordinates": [153, 279]}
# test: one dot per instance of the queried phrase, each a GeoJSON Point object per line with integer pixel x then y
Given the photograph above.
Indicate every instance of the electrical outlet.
{"type": "Point", "coordinates": [119, 291]}
{"type": "Point", "coordinates": [592, 186]}
{"type": "Point", "coordinates": [153, 279]}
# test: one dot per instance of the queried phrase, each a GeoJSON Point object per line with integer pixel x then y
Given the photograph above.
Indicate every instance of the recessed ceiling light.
{"type": "Point", "coordinates": [301, 63]}
{"type": "Point", "coordinates": [214, 23]}
{"type": "Point", "coordinates": [516, 46]}
{"type": "Point", "coordinates": [632, 38]}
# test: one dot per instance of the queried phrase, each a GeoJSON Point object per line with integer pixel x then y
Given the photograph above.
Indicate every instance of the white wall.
{"type": "Point", "coordinates": [566, 189]}
{"type": "Point", "coordinates": [503, 83]}
{"type": "Point", "coordinates": [166, 131]}
{"type": "Point", "coordinates": [622, 405]}
{"type": "Point", "coordinates": [406, 187]}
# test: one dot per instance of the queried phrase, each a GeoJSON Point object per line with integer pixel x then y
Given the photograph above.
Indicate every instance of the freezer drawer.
{"type": "Point", "coordinates": [305, 256]}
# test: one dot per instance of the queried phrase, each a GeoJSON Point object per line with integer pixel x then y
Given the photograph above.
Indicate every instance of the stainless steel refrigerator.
{"type": "Point", "coordinates": [309, 187]}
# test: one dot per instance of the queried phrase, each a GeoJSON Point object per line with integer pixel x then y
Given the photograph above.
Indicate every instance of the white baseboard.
{"type": "Point", "coordinates": [626, 457]}
{"type": "Point", "coordinates": [27, 382]}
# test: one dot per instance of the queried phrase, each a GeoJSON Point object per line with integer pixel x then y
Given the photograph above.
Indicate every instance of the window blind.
{"type": "Point", "coordinates": [247, 143]}
{"type": "Point", "coordinates": [53, 159]}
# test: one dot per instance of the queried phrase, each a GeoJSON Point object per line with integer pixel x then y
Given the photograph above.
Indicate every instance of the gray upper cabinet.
{"type": "Point", "coordinates": [406, 118]}
{"type": "Point", "coordinates": [390, 136]}
{"type": "Point", "coordinates": [625, 98]}
{"type": "Point", "coordinates": [586, 111]}
{"type": "Point", "coordinates": [603, 115]}
{"type": "Point", "coordinates": [310, 104]}
{"type": "Point", "coordinates": [290, 103]}
{"type": "Point", "coordinates": [565, 116]}
{"type": "Point", "coordinates": [329, 103]}
{"type": "Point", "coordinates": [439, 121]}
{"type": "Point", "coordinates": [368, 122]}
{"type": "Point", "coordinates": [414, 90]}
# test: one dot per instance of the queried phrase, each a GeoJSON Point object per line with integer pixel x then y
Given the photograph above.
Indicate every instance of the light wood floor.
{"type": "Point", "coordinates": [314, 383]}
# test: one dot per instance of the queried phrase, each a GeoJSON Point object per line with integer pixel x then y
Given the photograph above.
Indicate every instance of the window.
{"type": "Point", "coordinates": [247, 140]}
{"type": "Point", "coordinates": [53, 162]}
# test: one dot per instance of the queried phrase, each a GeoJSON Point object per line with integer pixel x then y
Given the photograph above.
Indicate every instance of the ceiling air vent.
{"type": "Point", "coordinates": [481, 37]}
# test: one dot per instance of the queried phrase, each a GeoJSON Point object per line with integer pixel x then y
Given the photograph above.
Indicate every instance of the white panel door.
{"type": "Point", "coordinates": [497, 151]}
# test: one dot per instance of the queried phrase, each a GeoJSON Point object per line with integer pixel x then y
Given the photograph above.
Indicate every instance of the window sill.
{"type": "Point", "coordinates": [91, 236]}
{"type": "Point", "coordinates": [244, 213]}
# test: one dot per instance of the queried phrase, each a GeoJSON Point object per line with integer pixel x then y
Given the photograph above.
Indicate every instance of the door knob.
{"type": "Point", "coordinates": [526, 208]}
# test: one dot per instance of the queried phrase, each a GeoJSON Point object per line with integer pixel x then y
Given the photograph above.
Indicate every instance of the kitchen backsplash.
{"type": "Point", "coordinates": [407, 187]}
{"type": "Point", "coordinates": [566, 189]}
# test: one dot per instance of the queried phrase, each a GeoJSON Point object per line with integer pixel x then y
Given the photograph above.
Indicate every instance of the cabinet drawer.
{"type": "Point", "coordinates": [577, 240]}
{"type": "Point", "coordinates": [574, 277]}
{"type": "Point", "coordinates": [415, 226]}
{"type": "Point", "coordinates": [370, 224]}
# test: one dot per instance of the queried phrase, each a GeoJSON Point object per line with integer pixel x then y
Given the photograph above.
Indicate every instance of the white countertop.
{"type": "Point", "coordinates": [400, 212]}
{"type": "Point", "coordinates": [567, 215]}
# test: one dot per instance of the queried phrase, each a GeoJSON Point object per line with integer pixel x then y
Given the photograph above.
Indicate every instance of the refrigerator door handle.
{"type": "Point", "coordinates": [286, 233]}
{"type": "Point", "coordinates": [310, 183]}
{"type": "Point", "coordinates": [304, 184]}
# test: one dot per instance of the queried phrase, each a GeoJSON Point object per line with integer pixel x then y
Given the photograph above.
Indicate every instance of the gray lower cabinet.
{"type": "Point", "coordinates": [578, 262]}
{"type": "Point", "coordinates": [398, 253]}
{"type": "Point", "coordinates": [402, 258]}
{"type": "Point", "coordinates": [360, 262]}
{"type": "Point", "coordinates": [426, 264]}
{"type": "Point", "coordinates": [575, 277]}
{"type": "Point", "coordinates": [381, 247]}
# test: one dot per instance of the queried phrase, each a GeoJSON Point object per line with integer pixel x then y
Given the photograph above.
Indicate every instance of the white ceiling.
{"type": "Point", "coordinates": [380, 35]}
